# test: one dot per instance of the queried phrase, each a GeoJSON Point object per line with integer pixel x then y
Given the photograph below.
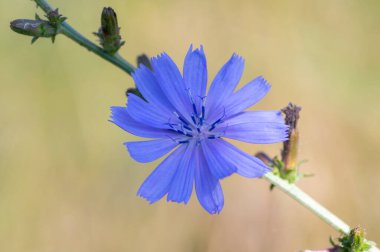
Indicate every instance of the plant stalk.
{"type": "Point", "coordinates": [308, 202]}
{"type": "Point", "coordinates": [71, 33]}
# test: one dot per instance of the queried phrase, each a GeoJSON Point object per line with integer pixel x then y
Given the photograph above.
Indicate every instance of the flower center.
{"type": "Point", "coordinates": [198, 129]}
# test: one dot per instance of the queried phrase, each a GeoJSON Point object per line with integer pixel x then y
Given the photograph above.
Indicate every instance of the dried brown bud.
{"type": "Point", "coordinates": [289, 152]}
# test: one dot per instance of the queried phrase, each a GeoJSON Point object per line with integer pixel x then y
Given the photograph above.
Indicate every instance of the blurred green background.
{"type": "Point", "coordinates": [68, 184]}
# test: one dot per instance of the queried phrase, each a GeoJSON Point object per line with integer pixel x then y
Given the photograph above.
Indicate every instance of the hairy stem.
{"type": "Point", "coordinates": [70, 32]}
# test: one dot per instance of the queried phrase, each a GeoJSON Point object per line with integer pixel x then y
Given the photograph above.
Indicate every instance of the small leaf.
{"type": "Point", "coordinates": [34, 39]}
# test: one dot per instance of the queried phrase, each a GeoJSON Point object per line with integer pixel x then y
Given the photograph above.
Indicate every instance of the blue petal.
{"type": "Point", "coordinates": [247, 165]}
{"type": "Point", "coordinates": [148, 151]}
{"type": "Point", "coordinates": [146, 113]}
{"type": "Point", "coordinates": [149, 87]}
{"type": "Point", "coordinates": [158, 182]}
{"type": "Point", "coordinates": [195, 74]}
{"type": "Point", "coordinates": [121, 117]}
{"type": "Point", "coordinates": [216, 160]}
{"type": "Point", "coordinates": [247, 96]}
{"type": "Point", "coordinates": [182, 184]}
{"type": "Point", "coordinates": [224, 83]}
{"type": "Point", "coordinates": [209, 191]}
{"type": "Point", "coordinates": [264, 116]}
{"type": "Point", "coordinates": [172, 84]}
{"type": "Point", "coordinates": [259, 133]}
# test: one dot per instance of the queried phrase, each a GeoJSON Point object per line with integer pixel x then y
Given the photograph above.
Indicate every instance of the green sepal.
{"type": "Point", "coordinates": [353, 242]}
{"type": "Point", "coordinates": [34, 39]}
{"type": "Point", "coordinates": [291, 175]}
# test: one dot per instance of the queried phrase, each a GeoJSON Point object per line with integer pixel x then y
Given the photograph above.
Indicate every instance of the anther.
{"type": "Point", "coordinates": [192, 101]}
{"type": "Point", "coordinates": [203, 110]}
{"type": "Point", "coordinates": [180, 118]}
{"type": "Point", "coordinates": [183, 141]}
{"type": "Point", "coordinates": [193, 118]}
{"type": "Point", "coordinates": [187, 127]}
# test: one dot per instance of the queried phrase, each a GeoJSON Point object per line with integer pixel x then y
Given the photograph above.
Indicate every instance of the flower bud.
{"type": "Point", "coordinates": [55, 18]}
{"type": "Point", "coordinates": [39, 27]}
{"type": "Point", "coordinates": [109, 31]}
{"type": "Point", "coordinates": [35, 28]}
{"type": "Point", "coordinates": [142, 59]}
{"type": "Point", "coordinates": [109, 22]}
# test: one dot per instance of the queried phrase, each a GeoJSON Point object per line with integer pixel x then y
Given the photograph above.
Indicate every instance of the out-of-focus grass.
{"type": "Point", "coordinates": [67, 184]}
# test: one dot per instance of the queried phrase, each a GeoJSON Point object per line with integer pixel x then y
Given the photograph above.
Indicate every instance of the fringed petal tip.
{"type": "Point", "coordinates": [178, 201]}
{"type": "Point", "coordinates": [215, 211]}
{"type": "Point", "coordinates": [154, 200]}
{"type": "Point", "coordinates": [117, 115]}
{"type": "Point", "coordinates": [150, 200]}
{"type": "Point", "coordinates": [160, 56]}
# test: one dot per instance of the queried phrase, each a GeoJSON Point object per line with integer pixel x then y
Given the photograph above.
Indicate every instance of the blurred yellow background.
{"type": "Point", "coordinates": [68, 184]}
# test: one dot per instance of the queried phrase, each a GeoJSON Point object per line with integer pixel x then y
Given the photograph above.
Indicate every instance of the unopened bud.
{"type": "Point", "coordinates": [265, 158]}
{"type": "Point", "coordinates": [109, 31]}
{"type": "Point", "coordinates": [142, 59]}
{"type": "Point", "coordinates": [55, 18]}
{"type": "Point", "coordinates": [109, 22]}
{"type": "Point", "coordinates": [39, 28]}
{"type": "Point", "coordinates": [35, 28]}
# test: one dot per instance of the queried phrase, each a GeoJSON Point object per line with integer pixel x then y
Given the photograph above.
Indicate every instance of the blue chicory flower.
{"type": "Point", "coordinates": [176, 113]}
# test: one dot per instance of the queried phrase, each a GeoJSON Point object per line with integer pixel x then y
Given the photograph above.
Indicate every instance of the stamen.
{"type": "Point", "coordinates": [174, 140]}
{"type": "Point", "coordinates": [192, 101]}
{"type": "Point", "coordinates": [193, 118]}
{"type": "Point", "coordinates": [183, 141]}
{"type": "Point", "coordinates": [187, 127]}
{"type": "Point", "coordinates": [180, 118]}
{"type": "Point", "coordinates": [217, 121]}
{"type": "Point", "coordinates": [214, 124]}
{"type": "Point", "coordinates": [203, 110]}
{"type": "Point", "coordinates": [176, 129]}
{"type": "Point", "coordinates": [195, 109]}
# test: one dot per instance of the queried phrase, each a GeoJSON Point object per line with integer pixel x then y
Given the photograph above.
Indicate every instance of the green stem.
{"type": "Point", "coordinates": [70, 32]}
{"type": "Point", "coordinates": [305, 200]}
{"type": "Point", "coordinates": [308, 202]}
